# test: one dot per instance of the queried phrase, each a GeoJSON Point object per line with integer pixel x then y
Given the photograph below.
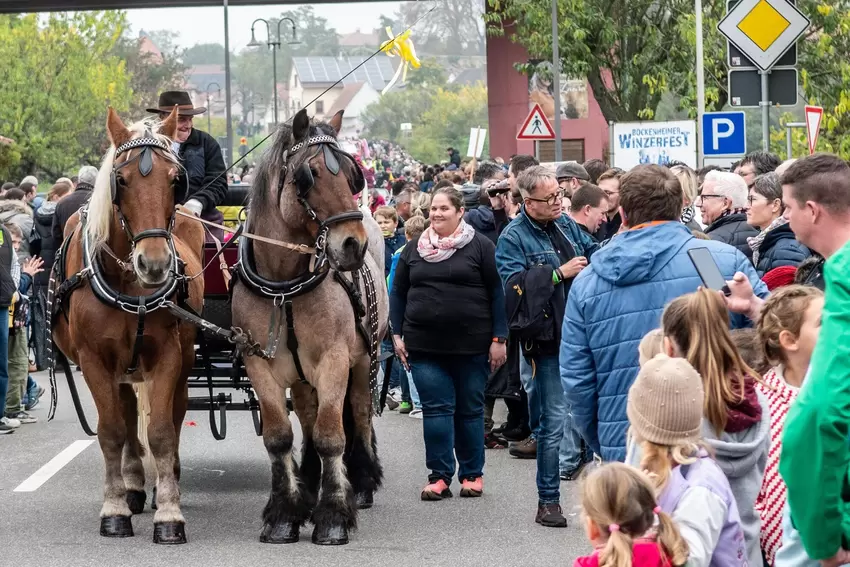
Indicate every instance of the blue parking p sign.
{"type": "Point", "coordinates": [724, 134]}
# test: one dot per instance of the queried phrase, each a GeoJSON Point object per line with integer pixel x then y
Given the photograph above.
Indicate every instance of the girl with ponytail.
{"type": "Point", "coordinates": [736, 422]}
{"type": "Point", "coordinates": [620, 515]}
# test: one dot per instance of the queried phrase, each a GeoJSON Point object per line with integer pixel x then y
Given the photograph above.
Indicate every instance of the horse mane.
{"type": "Point", "coordinates": [100, 210]}
{"type": "Point", "coordinates": [272, 163]}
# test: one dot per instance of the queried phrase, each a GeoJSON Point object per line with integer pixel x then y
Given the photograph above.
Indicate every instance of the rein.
{"type": "Point", "coordinates": [300, 248]}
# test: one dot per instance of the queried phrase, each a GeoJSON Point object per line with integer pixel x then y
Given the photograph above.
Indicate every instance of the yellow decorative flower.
{"type": "Point", "coordinates": [400, 46]}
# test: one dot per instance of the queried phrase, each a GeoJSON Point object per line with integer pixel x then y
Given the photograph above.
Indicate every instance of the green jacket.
{"type": "Point", "coordinates": [815, 447]}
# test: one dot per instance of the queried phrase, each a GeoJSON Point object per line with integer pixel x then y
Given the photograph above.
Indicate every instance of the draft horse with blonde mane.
{"type": "Point", "coordinates": [129, 255]}
{"type": "Point", "coordinates": [317, 298]}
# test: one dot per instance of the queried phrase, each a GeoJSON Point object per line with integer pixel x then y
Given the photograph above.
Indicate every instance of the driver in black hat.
{"type": "Point", "coordinates": [200, 154]}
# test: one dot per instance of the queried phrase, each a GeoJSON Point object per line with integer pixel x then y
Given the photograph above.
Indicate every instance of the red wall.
{"type": "Point", "coordinates": [508, 106]}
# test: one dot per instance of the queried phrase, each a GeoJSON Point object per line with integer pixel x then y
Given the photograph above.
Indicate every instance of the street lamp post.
{"type": "Point", "coordinates": [274, 45]}
{"type": "Point", "coordinates": [209, 107]}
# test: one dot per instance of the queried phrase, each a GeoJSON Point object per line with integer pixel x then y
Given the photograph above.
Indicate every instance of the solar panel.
{"type": "Point", "coordinates": [377, 71]}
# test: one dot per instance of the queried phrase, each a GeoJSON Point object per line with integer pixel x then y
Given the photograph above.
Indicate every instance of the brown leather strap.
{"type": "Point", "coordinates": [300, 248]}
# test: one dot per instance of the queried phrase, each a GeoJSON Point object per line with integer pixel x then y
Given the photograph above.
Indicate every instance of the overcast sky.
{"type": "Point", "coordinates": [206, 25]}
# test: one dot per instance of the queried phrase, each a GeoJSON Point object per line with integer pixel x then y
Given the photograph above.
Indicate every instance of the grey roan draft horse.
{"type": "Point", "coordinates": [303, 195]}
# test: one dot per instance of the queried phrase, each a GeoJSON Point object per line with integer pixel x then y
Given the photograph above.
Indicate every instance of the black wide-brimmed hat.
{"type": "Point", "coordinates": [169, 99]}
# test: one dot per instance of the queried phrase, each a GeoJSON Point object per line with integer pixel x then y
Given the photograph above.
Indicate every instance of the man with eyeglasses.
{"type": "Point", "coordinates": [538, 256]}
{"type": "Point", "coordinates": [755, 164]}
{"type": "Point", "coordinates": [723, 203]}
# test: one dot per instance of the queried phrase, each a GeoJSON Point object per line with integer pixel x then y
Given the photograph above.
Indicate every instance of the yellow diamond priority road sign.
{"type": "Point", "coordinates": [764, 30]}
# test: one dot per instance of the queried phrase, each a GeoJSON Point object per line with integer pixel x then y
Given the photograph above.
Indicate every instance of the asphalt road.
{"type": "Point", "coordinates": [225, 485]}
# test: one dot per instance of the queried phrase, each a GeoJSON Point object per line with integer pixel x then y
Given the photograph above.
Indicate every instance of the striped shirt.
{"type": "Point", "coordinates": [771, 499]}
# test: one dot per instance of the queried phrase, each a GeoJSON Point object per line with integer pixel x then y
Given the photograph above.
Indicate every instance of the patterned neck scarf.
{"type": "Point", "coordinates": [755, 241]}
{"type": "Point", "coordinates": [434, 248]}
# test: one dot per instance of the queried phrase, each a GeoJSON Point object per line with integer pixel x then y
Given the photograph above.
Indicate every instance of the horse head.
{"type": "Point", "coordinates": [137, 186]}
{"type": "Point", "coordinates": [323, 180]}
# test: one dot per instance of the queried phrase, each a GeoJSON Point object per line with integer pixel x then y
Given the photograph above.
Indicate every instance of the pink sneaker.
{"type": "Point", "coordinates": [472, 488]}
{"type": "Point", "coordinates": [436, 491]}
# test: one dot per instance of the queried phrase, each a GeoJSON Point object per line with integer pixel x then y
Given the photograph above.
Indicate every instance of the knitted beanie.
{"type": "Point", "coordinates": [665, 401]}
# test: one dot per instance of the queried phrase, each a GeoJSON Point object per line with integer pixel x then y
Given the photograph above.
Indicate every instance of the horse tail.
{"type": "Point", "coordinates": [361, 451]}
{"type": "Point", "coordinates": [143, 420]}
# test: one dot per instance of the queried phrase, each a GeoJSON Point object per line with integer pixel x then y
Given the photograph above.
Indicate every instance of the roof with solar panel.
{"type": "Point", "coordinates": [316, 71]}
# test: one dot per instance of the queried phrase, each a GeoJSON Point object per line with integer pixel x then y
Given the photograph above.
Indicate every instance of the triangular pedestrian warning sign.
{"type": "Point", "coordinates": [536, 126]}
{"type": "Point", "coordinates": [813, 118]}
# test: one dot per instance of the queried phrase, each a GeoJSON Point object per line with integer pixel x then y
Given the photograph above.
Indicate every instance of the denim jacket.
{"type": "Point", "coordinates": [523, 245]}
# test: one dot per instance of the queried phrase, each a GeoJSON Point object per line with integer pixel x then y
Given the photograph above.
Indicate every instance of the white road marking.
{"type": "Point", "coordinates": [55, 464]}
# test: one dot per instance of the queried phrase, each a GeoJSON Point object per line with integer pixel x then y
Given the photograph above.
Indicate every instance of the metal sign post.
{"type": "Point", "coordinates": [789, 151]}
{"type": "Point", "coordinates": [765, 112]}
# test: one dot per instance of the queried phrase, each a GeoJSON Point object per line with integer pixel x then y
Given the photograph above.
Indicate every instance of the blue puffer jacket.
{"type": "Point", "coordinates": [612, 305]}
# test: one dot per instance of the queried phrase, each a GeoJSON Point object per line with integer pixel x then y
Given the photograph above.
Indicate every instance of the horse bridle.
{"type": "Point", "coordinates": [302, 177]}
{"type": "Point", "coordinates": [147, 144]}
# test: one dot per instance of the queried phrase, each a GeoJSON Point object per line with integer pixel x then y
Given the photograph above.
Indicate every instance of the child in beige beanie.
{"type": "Point", "coordinates": [665, 407]}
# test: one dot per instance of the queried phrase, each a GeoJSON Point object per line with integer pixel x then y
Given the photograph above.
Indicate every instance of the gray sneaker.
{"type": "Point", "coordinates": [22, 417]}
{"type": "Point", "coordinates": [9, 424]}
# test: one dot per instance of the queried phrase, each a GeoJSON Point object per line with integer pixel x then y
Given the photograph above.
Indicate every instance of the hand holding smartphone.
{"type": "Point", "coordinates": [708, 271]}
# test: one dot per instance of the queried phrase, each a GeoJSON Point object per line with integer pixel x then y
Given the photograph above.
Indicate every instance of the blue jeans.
{"type": "Point", "coordinates": [4, 355]}
{"type": "Point", "coordinates": [412, 392]}
{"type": "Point", "coordinates": [533, 404]}
{"type": "Point", "coordinates": [570, 453]}
{"type": "Point", "coordinates": [451, 388]}
{"type": "Point", "coordinates": [792, 553]}
{"type": "Point", "coordinates": [387, 346]}
{"type": "Point", "coordinates": [546, 397]}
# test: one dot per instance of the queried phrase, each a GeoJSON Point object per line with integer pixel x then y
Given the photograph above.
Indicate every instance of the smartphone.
{"type": "Point", "coordinates": [707, 269]}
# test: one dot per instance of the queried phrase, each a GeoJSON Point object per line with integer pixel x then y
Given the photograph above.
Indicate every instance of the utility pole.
{"type": "Point", "coordinates": [700, 81]}
{"type": "Point", "coordinates": [556, 81]}
{"type": "Point", "coordinates": [228, 150]}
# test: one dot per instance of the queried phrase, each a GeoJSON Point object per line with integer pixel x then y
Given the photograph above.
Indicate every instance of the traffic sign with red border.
{"type": "Point", "coordinates": [536, 126]}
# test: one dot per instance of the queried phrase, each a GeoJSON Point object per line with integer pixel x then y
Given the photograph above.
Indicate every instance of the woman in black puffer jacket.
{"type": "Point", "coordinates": [44, 245]}
{"type": "Point", "coordinates": [775, 245]}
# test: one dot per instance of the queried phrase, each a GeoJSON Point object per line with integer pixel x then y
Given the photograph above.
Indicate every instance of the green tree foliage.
{"type": "Point", "coordinates": [630, 51]}
{"type": "Point", "coordinates": [441, 117]}
{"type": "Point", "coordinates": [634, 52]}
{"type": "Point", "coordinates": [204, 54]}
{"type": "Point", "coordinates": [150, 74]}
{"type": "Point", "coordinates": [59, 74]}
{"type": "Point", "coordinates": [430, 73]}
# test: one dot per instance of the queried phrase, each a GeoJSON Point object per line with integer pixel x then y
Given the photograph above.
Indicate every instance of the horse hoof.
{"type": "Point", "coordinates": [116, 526]}
{"type": "Point", "coordinates": [153, 499]}
{"type": "Point", "coordinates": [136, 501]}
{"type": "Point", "coordinates": [365, 500]}
{"type": "Point", "coordinates": [282, 532]}
{"type": "Point", "coordinates": [330, 535]}
{"type": "Point", "coordinates": [169, 533]}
